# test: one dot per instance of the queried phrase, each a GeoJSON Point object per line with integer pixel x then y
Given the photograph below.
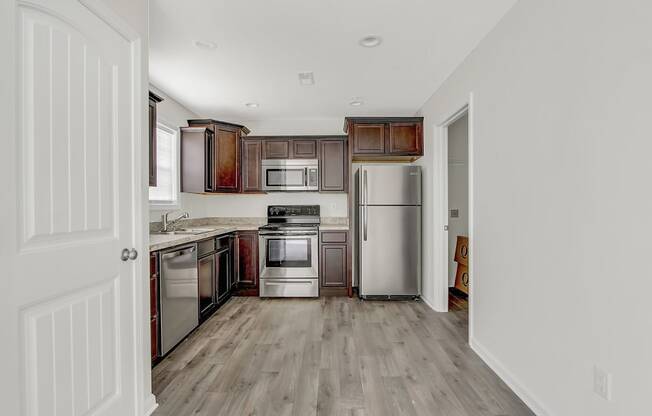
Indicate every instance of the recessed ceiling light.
{"type": "Point", "coordinates": [356, 103]}
{"type": "Point", "coordinates": [252, 105]}
{"type": "Point", "coordinates": [206, 45]}
{"type": "Point", "coordinates": [370, 41]}
{"type": "Point", "coordinates": [306, 78]}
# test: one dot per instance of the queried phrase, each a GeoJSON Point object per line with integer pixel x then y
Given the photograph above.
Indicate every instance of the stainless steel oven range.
{"type": "Point", "coordinates": [289, 254]}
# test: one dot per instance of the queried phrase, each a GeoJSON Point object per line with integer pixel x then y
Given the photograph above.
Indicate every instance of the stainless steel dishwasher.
{"type": "Point", "coordinates": [179, 295]}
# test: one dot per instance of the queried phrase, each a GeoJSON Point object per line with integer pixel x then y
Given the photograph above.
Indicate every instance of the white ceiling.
{"type": "Point", "coordinates": [262, 45]}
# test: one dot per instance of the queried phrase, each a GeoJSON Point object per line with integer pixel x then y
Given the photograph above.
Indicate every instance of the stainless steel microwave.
{"type": "Point", "coordinates": [290, 175]}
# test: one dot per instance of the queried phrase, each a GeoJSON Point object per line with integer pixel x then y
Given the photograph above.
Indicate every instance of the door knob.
{"type": "Point", "coordinates": [128, 254]}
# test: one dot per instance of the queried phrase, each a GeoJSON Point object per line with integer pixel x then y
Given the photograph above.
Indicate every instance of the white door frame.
{"type": "Point", "coordinates": [440, 215]}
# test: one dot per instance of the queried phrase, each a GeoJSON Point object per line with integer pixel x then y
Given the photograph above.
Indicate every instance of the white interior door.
{"type": "Point", "coordinates": [68, 301]}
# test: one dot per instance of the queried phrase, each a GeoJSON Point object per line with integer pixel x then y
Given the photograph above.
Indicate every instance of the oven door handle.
{"type": "Point", "coordinates": [287, 281]}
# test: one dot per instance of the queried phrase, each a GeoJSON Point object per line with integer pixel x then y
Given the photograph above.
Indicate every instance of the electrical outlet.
{"type": "Point", "coordinates": [602, 383]}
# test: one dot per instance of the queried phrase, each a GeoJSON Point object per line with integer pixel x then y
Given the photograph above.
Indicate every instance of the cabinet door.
{"type": "Point", "coordinates": [333, 265]}
{"type": "Point", "coordinates": [197, 159]}
{"type": "Point", "coordinates": [206, 270]}
{"type": "Point", "coordinates": [276, 149]}
{"type": "Point", "coordinates": [405, 139]}
{"type": "Point", "coordinates": [333, 167]}
{"type": "Point", "coordinates": [304, 149]}
{"type": "Point", "coordinates": [251, 166]}
{"type": "Point", "coordinates": [153, 304]}
{"type": "Point", "coordinates": [223, 274]}
{"type": "Point", "coordinates": [153, 330]}
{"type": "Point", "coordinates": [369, 138]}
{"type": "Point", "coordinates": [152, 142]}
{"type": "Point", "coordinates": [247, 247]}
{"type": "Point", "coordinates": [227, 159]}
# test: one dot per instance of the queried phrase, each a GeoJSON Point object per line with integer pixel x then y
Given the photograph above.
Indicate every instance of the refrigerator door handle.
{"type": "Point", "coordinates": [364, 209]}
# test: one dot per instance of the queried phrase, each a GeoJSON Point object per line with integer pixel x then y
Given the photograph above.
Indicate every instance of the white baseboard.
{"type": "Point", "coordinates": [517, 387]}
{"type": "Point", "coordinates": [428, 304]}
{"type": "Point", "coordinates": [150, 405]}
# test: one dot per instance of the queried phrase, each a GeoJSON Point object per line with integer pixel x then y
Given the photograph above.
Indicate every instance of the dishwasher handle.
{"type": "Point", "coordinates": [179, 253]}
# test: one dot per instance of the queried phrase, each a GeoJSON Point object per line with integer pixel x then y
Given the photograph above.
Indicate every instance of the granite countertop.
{"type": "Point", "coordinates": [163, 241]}
{"type": "Point", "coordinates": [219, 226]}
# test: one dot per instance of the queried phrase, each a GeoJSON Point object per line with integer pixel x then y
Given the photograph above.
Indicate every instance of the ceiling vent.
{"type": "Point", "coordinates": [306, 78]}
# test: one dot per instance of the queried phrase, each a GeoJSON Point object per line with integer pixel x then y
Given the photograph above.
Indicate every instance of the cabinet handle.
{"type": "Point", "coordinates": [364, 207]}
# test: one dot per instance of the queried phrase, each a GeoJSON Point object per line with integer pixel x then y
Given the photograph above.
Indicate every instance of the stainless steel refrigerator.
{"type": "Point", "coordinates": [388, 255]}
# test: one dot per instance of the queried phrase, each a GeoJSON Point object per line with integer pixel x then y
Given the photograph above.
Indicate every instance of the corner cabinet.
{"type": "Point", "coordinates": [385, 138]}
{"type": "Point", "coordinates": [153, 101]}
{"type": "Point", "coordinates": [211, 156]}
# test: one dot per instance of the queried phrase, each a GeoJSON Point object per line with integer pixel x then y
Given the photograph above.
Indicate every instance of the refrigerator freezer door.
{"type": "Point", "coordinates": [390, 185]}
{"type": "Point", "coordinates": [390, 257]}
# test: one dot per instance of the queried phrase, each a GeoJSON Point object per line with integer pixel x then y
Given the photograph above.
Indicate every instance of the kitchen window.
{"type": "Point", "coordinates": [166, 192]}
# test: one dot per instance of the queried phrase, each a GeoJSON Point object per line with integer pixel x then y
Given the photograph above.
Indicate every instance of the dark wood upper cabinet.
{"type": "Point", "coordinates": [368, 138]}
{"type": "Point", "coordinates": [277, 149]}
{"type": "Point", "coordinates": [251, 166]}
{"type": "Point", "coordinates": [297, 147]}
{"type": "Point", "coordinates": [246, 259]}
{"type": "Point", "coordinates": [385, 138]}
{"type": "Point", "coordinates": [304, 149]}
{"type": "Point", "coordinates": [153, 101]}
{"type": "Point", "coordinates": [227, 157]}
{"type": "Point", "coordinates": [333, 166]}
{"type": "Point", "coordinates": [405, 138]}
{"type": "Point", "coordinates": [212, 162]}
{"type": "Point", "coordinates": [197, 159]}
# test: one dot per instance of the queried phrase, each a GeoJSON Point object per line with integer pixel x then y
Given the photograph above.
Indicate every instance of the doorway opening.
{"type": "Point", "coordinates": [453, 215]}
{"type": "Point", "coordinates": [458, 215]}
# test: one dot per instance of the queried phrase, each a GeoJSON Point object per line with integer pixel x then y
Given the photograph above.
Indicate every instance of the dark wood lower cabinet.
{"type": "Point", "coordinates": [223, 273]}
{"type": "Point", "coordinates": [333, 263]}
{"type": "Point", "coordinates": [153, 328]}
{"type": "Point", "coordinates": [153, 305]}
{"type": "Point", "coordinates": [206, 273]}
{"type": "Point", "coordinates": [246, 259]}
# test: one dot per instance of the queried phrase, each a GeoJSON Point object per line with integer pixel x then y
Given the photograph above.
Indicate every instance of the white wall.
{"type": "Point", "coordinates": [458, 189]}
{"type": "Point", "coordinates": [237, 205]}
{"type": "Point", "coordinates": [562, 207]}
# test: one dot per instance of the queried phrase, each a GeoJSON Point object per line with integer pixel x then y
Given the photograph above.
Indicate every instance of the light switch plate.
{"type": "Point", "coordinates": [602, 383]}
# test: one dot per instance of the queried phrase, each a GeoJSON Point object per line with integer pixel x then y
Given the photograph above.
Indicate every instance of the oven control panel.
{"type": "Point", "coordinates": [293, 211]}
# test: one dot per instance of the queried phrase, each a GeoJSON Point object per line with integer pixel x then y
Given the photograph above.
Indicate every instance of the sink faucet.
{"type": "Point", "coordinates": [167, 224]}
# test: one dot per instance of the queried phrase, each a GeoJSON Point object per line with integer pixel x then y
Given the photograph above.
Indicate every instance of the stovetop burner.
{"type": "Point", "coordinates": [292, 217]}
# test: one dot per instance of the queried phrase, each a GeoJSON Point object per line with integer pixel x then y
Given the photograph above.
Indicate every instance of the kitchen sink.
{"type": "Point", "coordinates": [185, 231]}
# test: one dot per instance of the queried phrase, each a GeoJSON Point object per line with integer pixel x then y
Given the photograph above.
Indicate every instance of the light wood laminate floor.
{"type": "Point", "coordinates": [330, 356]}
